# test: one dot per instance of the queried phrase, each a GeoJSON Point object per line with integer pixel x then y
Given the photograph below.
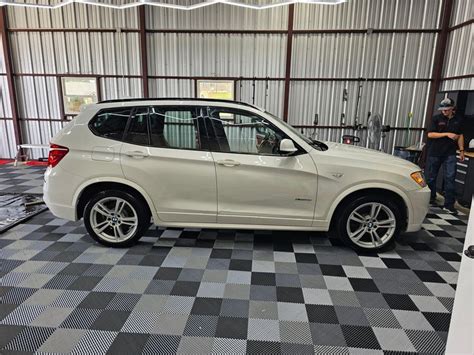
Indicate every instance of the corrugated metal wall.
{"type": "Point", "coordinates": [217, 17]}
{"type": "Point", "coordinates": [400, 55]}
{"type": "Point", "coordinates": [255, 55]}
{"type": "Point", "coordinates": [268, 94]}
{"type": "Point", "coordinates": [459, 59]}
{"type": "Point", "coordinates": [72, 16]}
{"type": "Point", "coordinates": [113, 55]}
{"type": "Point", "coordinates": [7, 134]}
{"type": "Point", "coordinates": [357, 14]}
{"type": "Point", "coordinates": [463, 11]}
{"type": "Point", "coordinates": [391, 56]}
{"type": "Point", "coordinates": [76, 53]}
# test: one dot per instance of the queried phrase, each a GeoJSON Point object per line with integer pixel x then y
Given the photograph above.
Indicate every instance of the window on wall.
{"type": "Point", "coordinates": [215, 89]}
{"type": "Point", "coordinates": [78, 92]}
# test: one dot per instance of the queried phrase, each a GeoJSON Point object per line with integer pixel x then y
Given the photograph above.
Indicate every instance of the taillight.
{"type": "Point", "coordinates": [56, 153]}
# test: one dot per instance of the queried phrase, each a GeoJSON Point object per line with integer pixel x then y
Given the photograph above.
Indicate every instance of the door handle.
{"type": "Point", "coordinates": [136, 154]}
{"type": "Point", "coordinates": [228, 162]}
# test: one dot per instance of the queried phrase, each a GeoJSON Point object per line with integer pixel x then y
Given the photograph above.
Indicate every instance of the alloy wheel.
{"type": "Point", "coordinates": [371, 225]}
{"type": "Point", "coordinates": [114, 219]}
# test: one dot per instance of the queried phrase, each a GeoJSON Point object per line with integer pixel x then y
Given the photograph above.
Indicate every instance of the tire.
{"type": "Point", "coordinates": [358, 230]}
{"type": "Point", "coordinates": [116, 219]}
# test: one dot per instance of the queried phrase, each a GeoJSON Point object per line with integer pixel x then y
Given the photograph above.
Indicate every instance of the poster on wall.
{"type": "Point", "coordinates": [78, 92]}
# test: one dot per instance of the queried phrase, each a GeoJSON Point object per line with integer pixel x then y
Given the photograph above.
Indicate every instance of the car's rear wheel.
{"type": "Point", "coordinates": [369, 223]}
{"type": "Point", "coordinates": [116, 218]}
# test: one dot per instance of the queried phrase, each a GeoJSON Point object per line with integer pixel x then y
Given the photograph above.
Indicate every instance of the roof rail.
{"type": "Point", "coordinates": [178, 98]}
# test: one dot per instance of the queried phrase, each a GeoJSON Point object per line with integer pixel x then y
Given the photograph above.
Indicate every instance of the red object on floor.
{"type": "Point", "coordinates": [3, 161]}
{"type": "Point", "coordinates": [37, 163]}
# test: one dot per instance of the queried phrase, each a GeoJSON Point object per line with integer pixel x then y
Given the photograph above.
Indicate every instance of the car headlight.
{"type": "Point", "coordinates": [419, 178]}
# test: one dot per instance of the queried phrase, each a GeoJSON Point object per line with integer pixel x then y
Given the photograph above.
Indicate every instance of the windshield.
{"type": "Point", "coordinates": [308, 140]}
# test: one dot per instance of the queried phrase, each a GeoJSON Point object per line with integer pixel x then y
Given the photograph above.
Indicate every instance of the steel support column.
{"type": "Point", "coordinates": [289, 46]}
{"type": "Point", "coordinates": [143, 49]}
{"type": "Point", "coordinates": [440, 53]}
{"type": "Point", "coordinates": [9, 73]}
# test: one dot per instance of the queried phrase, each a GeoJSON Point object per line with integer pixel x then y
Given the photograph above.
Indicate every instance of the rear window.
{"type": "Point", "coordinates": [110, 123]}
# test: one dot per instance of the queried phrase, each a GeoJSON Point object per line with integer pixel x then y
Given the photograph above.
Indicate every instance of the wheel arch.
{"type": "Point", "coordinates": [394, 194]}
{"type": "Point", "coordinates": [88, 189]}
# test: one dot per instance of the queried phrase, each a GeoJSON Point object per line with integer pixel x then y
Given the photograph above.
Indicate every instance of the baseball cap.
{"type": "Point", "coordinates": [446, 103]}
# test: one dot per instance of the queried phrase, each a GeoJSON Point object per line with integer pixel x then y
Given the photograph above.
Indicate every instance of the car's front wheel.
{"type": "Point", "coordinates": [116, 218]}
{"type": "Point", "coordinates": [369, 223]}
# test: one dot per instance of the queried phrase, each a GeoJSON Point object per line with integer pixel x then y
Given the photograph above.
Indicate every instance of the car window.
{"type": "Point", "coordinates": [174, 127]}
{"type": "Point", "coordinates": [110, 123]}
{"type": "Point", "coordinates": [239, 131]}
{"type": "Point", "coordinates": [137, 132]}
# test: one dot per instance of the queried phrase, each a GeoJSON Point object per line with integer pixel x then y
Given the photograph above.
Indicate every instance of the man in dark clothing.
{"type": "Point", "coordinates": [445, 137]}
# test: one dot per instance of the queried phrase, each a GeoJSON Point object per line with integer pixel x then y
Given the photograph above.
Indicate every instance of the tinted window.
{"type": "Point", "coordinates": [174, 127]}
{"type": "Point", "coordinates": [137, 132]}
{"type": "Point", "coordinates": [242, 132]}
{"type": "Point", "coordinates": [110, 123]}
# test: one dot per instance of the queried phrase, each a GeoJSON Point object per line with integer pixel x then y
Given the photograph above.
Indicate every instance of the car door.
{"type": "Point", "coordinates": [162, 153]}
{"type": "Point", "coordinates": [255, 183]}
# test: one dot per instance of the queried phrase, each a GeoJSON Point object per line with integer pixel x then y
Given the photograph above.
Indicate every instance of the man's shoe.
{"type": "Point", "coordinates": [450, 210]}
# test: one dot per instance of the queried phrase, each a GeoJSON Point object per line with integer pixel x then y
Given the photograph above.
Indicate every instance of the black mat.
{"type": "Point", "coordinates": [17, 208]}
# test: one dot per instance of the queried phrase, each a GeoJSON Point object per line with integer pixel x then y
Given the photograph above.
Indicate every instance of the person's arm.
{"type": "Point", "coordinates": [432, 132]}
{"type": "Point", "coordinates": [436, 135]}
{"type": "Point", "coordinates": [461, 147]}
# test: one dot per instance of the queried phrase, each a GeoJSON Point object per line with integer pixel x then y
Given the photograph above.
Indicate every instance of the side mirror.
{"type": "Point", "coordinates": [287, 147]}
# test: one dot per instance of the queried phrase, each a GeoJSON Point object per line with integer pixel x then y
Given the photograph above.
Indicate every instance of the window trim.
{"type": "Point", "coordinates": [129, 123]}
{"type": "Point", "coordinates": [196, 116]}
{"type": "Point", "coordinates": [191, 108]}
{"type": "Point", "coordinates": [300, 150]}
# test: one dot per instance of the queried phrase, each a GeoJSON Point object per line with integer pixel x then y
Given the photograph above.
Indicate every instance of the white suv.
{"type": "Point", "coordinates": [202, 163]}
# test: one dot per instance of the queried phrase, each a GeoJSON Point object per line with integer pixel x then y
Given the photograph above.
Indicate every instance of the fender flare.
{"type": "Point", "coordinates": [102, 179]}
{"type": "Point", "coordinates": [371, 185]}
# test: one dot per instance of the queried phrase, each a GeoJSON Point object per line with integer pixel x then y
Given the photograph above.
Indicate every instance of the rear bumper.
{"type": "Point", "coordinates": [58, 190]}
{"type": "Point", "coordinates": [61, 211]}
{"type": "Point", "coordinates": [420, 200]}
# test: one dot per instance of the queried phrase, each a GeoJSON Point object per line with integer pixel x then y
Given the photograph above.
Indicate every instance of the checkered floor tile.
{"type": "Point", "coordinates": [226, 291]}
{"type": "Point", "coordinates": [21, 178]}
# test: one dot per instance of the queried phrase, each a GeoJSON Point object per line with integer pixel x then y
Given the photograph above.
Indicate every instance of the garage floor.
{"type": "Point", "coordinates": [202, 291]}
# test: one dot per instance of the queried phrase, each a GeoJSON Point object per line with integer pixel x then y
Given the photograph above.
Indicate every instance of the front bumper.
{"type": "Point", "coordinates": [420, 200]}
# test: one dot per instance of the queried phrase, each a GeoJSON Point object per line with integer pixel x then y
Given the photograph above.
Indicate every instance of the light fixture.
{"type": "Point", "coordinates": [158, 3]}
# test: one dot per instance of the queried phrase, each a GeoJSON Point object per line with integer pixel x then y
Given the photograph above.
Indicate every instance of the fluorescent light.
{"type": "Point", "coordinates": [157, 3]}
